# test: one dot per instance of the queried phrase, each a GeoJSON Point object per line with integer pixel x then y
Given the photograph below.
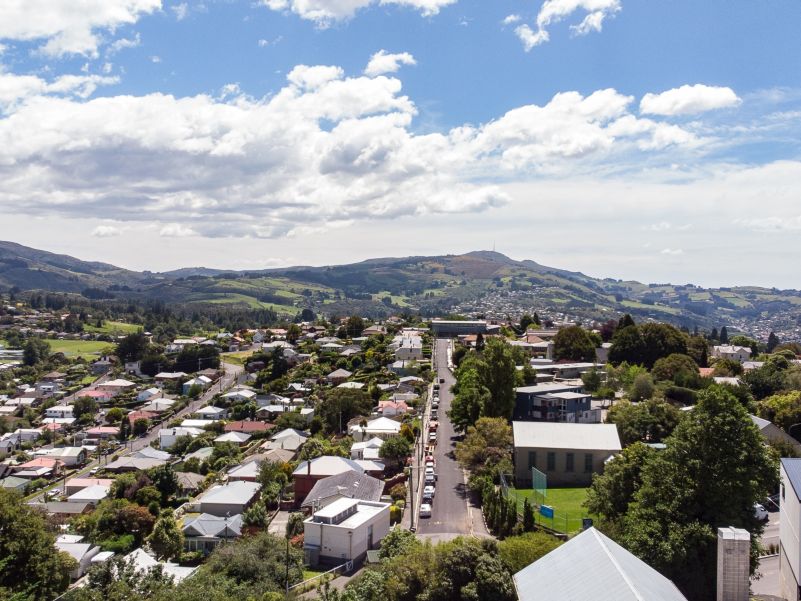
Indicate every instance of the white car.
{"type": "Point", "coordinates": [430, 472]}
{"type": "Point", "coordinates": [425, 510]}
{"type": "Point", "coordinates": [760, 512]}
{"type": "Point", "coordinates": [428, 492]}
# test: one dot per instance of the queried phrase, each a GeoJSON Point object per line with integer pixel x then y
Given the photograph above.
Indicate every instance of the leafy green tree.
{"type": "Point", "coordinates": [470, 399]}
{"type": "Point", "coordinates": [698, 350]}
{"type": "Point", "coordinates": [784, 410]}
{"type": "Point", "coordinates": [132, 347]}
{"type": "Point", "coordinates": [650, 421]}
{"type": "Point", "coordinates": [486, 447]}
{"type": "Point", "coordinates": [573, 344]}
{"type": "Point", "coordinates": [592, 380]}
{"type": "Point", "coordinates": [766, 380]}
{"type": "Point", "coordinates": [343, 404]}
{"type": "Point", "coordinates": [613, 490]}
{"type": "Point", "coordinates": [627, 346]}
{"type": "Point", "coordinates": [528, 516]}
{"type": "Point", "coordinates": [31, 568]}
{"type": "Point", "coordinates": [84, 406]}
{"type": "Point", "coordinates": [398, 542]}
{"type": "Point", "coordinates": [676, 368]}
{"type": "Point", "coordinates": [642, 388]}
{"type": "Point", "coordinates": [293, 333]}
{"type": "Point", "coordinates": [773, 342]}
{"type": "Point", "coordinates": [499, 378]}
{"type": "Point", "coordinates": [517, 552]}
{"type": "Point", "coordinates": [255, 516]}
{"type": "Point", "coordinates": [114, 415]}
{"type": "Point", "coordinates": [35, 351]}
{"type": "Point", "coordinates": [724, 335]}
{"type": "Point", "coordinates": [741, 340]}
{"type": "Point", "coordinates": [140, 426]}
{"type": "Point", "coordinates": [726, 368]}
{"type": "Point", "coordinates": [661, 340]}
{"type": "Point", "coordinates": [714, 469]}
{"type": "Point", "coordinates": [119, 579]}
{"type": "Point", "coordinates": [165, 481]}
{"type": "Point", "coordinates": [354, 326]}
{"type": "Point", "coordinates": [167, 539]}
{"type": "Point", "coordinates": [396, 449]}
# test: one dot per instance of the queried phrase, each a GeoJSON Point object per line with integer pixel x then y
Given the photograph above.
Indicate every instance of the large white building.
{"type": "Point", "coordinates": [344, 531]}
{"type": "Point", "coordinates": [790, 529]}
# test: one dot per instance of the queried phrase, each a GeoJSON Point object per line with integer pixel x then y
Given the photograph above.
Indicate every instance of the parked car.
{"type": "Point", "coordinates": [760, 512]}
{"type": "Point", "coordinates": [93, 471]}
{"type": "Point", "coordinates": [428, 492]}
{"type": "Point", "coordinates": [442, 380]}
{"type": "Point", "coordinates": [425, 510]}
{"type": "Point", "coordinates": [432, 436]}
{"type": "Point", "coordinates": [431, 479]}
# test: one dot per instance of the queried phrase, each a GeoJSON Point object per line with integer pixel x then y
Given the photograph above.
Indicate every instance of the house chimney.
{"type": "Point", "coordinates": [308, 467]}
{"type": "Point", "coordinates": [734, 562]}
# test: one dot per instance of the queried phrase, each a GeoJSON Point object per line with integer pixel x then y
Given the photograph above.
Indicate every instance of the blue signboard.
{"type": "Point", "coordinates": [546, 511]}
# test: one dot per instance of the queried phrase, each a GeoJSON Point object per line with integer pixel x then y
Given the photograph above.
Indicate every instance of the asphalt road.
{"type": "Point", "coordinates": [452, 514]}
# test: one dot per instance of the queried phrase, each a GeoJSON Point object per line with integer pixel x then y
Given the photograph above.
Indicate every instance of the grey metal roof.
{"type": "Point", "coordinates": [212, 525]}
{"type": "Point", "coordinates": [328, 465]}
{"type": "Point", "coordinates": [151, 453]}
{"type": "Point", "coordinates": [608, 573]}
{"type": "Point", "coordinates": [234, 493]}
{"type": "Point", "coordinates": [559, 435]}
{"type": "Point", "coordinates": [349, 484]}
{"type": "Point", "coordinates": [793, 469]}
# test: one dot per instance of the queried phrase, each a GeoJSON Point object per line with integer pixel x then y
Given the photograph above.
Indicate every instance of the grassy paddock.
{"type": "Point", "coordinates": [88, 349]}
{"type": "Point", "coordinates": [567, 504]}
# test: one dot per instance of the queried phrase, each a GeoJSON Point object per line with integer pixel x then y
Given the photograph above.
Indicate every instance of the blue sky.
{"type": "Point", "coordinates": [634, 139]}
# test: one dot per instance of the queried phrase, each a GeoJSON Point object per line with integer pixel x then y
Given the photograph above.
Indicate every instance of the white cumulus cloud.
{"type": "Point", "coordinates": [554, 11]}
{"type": "Point", "coordinates": [689, 100]}
{"type": "Point", "coordinates": [17, 88]}
{"type": "Point", "coordinates": [326, 148]}
{"type": "Point", "coordinates": [67, 27]}
{"type": "Point", "coordinates": [181, 11]}
{"type": "Point", "coordinates": [106, 231]}
{"type": "Point", "coordinates": [511, 19]}
{"type": "Point", "coordinates": [383, 62]}
{"type": "Point", "coordinates": [324, 12]}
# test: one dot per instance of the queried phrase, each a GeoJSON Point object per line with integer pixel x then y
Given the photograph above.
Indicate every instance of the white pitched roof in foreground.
{"type": "Point", "coordinates": [558, 435]}
{"type": "Point", "coordinates": [608, 573]}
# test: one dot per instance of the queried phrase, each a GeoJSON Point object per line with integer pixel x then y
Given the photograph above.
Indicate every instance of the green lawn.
{"type": "Point", "coordinates": [236, 358]}
{"type": "Point", "coordinates": [567, 504]}
{"type": "Point", "coordinates": [88, 349]}
{"type": "Point", "coordinates": [114, 328]}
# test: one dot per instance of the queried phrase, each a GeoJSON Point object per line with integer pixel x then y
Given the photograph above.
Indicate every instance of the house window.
{"type": "Point", "coordinates": [551, 461]}
{"type": "Point", "coordinates": [782, 489]}
{"type": "Point", "coordinates": [587, 463]}
{"type": "Point", "coordinates": [532, 459]}
{"type": "Point", "coordinates": [569, 462]}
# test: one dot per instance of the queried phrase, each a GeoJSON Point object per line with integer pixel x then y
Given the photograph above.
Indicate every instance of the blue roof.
{"type": "Point", "coordinates": [793, 469]}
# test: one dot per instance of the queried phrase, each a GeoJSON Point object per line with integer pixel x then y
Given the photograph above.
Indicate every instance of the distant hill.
{"type": "Point", "coordinates": [481, 282]}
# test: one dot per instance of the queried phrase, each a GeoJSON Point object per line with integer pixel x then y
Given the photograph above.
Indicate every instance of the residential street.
{"type": "Point", "coordinates": [452, 513]}
{"type": "Point", "coordinates": [232, 373]}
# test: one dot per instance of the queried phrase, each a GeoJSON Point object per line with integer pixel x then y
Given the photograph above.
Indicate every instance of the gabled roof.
{"type": "Point", "coordinates": [213, 526]}
{"type": "Point", "coordinates": [327, 465]}
{"type": "Point", "coordinates": [347, 484]}
{"type": "Point", "coordinates": [608, 573]}
{"type": "Point", "coordinates": [151, 453]}
{"type": "Point", "coordinates": [556, 435]}
{"type": "Point", "coordinates": [235, 437]}
{"type": "Point", "coordinates": [339, 373]}
{"type": "Point", "coordinates": [793, 469]}
{"type": "Point", "coordinates": [232, 493]}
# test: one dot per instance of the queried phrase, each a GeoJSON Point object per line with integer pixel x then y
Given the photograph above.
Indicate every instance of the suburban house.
{"type": "Point", "coordinates": [247, 427]}
{"type": "Point", "coordinates": [115, 387]}
{"type": "Point", "coordinates": [149, 394]}
{"type": "Point", "coordinates": [40, 467]}
{"type": "Point", "coordinates": [289, 439]}
{"type": "Point", "coordinates": [168, 436]}
{"type": "Point", "coordinates": [773, 433]}
{"type": "Point", "coordinates": [607, 573]}
{"type": "Point", "coordinates": [242, 395]}
{"type": "Point", "coordinates": [554, 402]}
{"type": "Point", "coordinates": [69, 456]}
{"type": "Point", "coordinates": [368, 449]}
{"type": "Point", "coordinates": [206, 531]}
{"type": "Point", "coordinates": [151, 453]}
{"type": "Point", "coordinates": [347, 485]}
{"type": "Point", "coordinates": [74, 485]}
{"type": "Point", "coordinates": [338, 376]}
{"type": "Point", "coordinates": [158, 405]}
{"type": "Point", "coordinates": [189, 482]}
{"type": "Point", "coordinates": [568, 454]}
{"type": "Point", "coordinates": [392, 408]}
{"type": "Point", "coordinates": [201, 382]}
{"type": "Point", "coordinates": [237, 438]}
{"type": "Point", "coordinates": [81, 552]}
{"type": "Point", "coordinates": [211, 412]}
{"type": "Point", "coordinates": [133, 464]}
{"type": "Point", "coordinates": [344, 531]}
{"type": "Point", "coordinates": [308, 473]}
{"type": "Point", "coordinates": [229, 499]}
{"type": "Point", "coordinates": [382, 427]}
{"type": "Point", "coordinates": [144, 562]}
{"type": "Point", "coordinates": [735, 353]}
{"type": "Point", "coordinates": [91, 494]}
{"type": "Point", "coordinates": [102, 432]}
{"type": "Point", "coordinates": [59, 411]}
{"type": "Point", "coordinates": [168, 377]}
